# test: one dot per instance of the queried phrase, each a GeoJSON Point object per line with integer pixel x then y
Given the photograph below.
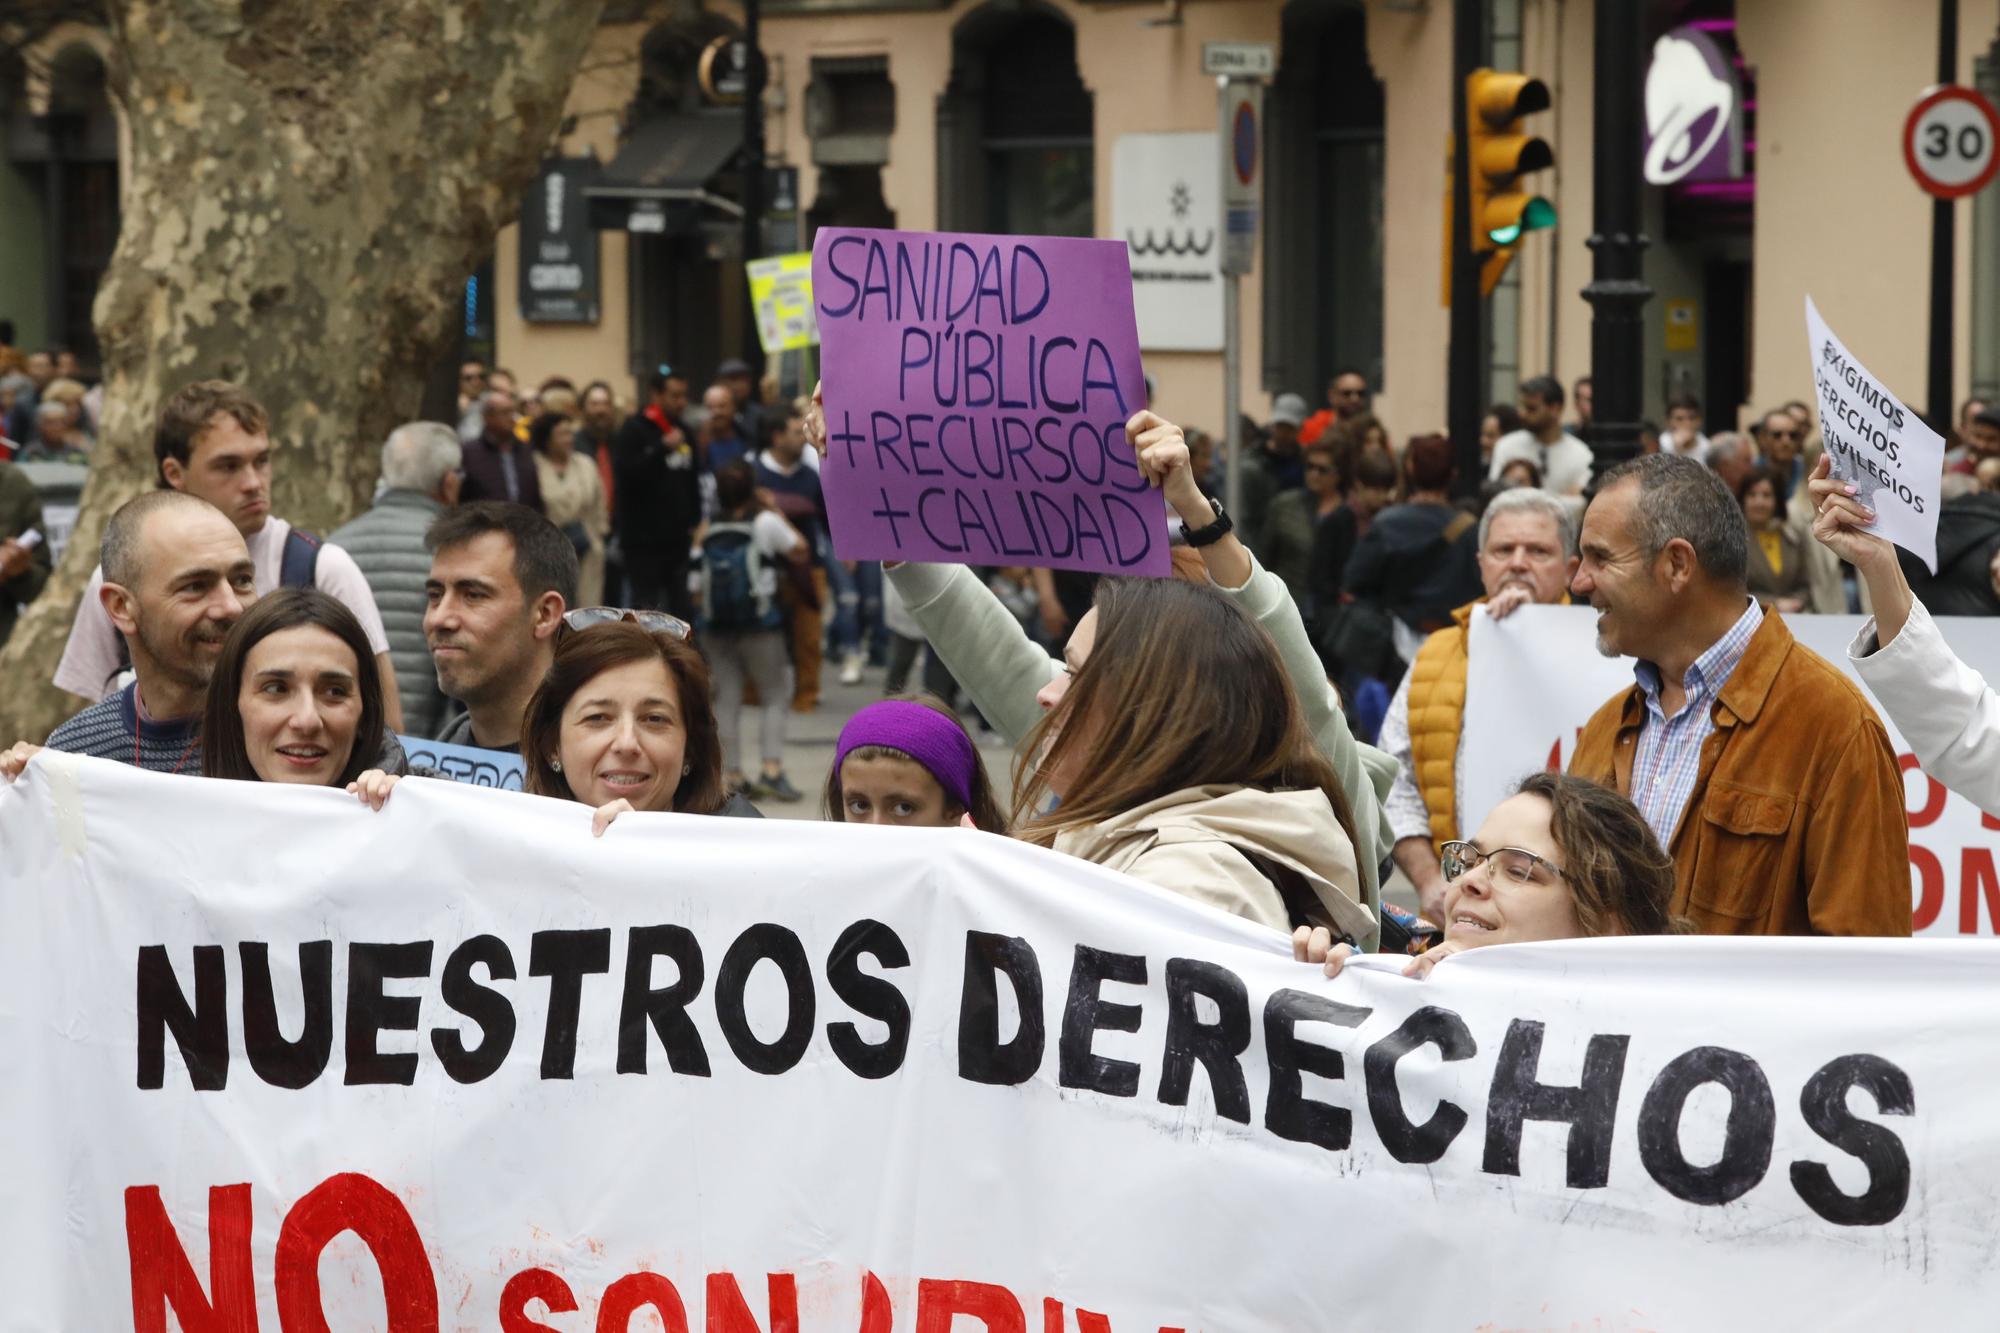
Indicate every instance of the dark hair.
{"type": "Point", "coordinates": [1183, 689]}
{"type": "Point", "coordinates": [1427, 463]}
{"type": "Point", "coordinates": [542, 429]}
{"type": "Point", "coordinates": [1685, 402]}
{"type": "Point", "coordinates": [1507, 415]}
{"type": "Point", "coordinates": [1545, 387]}
{"type": "Point", "coordinates": [1534, 472]}
{"type": "Point", "coordinates": [1680, 498]}
{"type": "Point", "coordinates": [594, 386]}
{"type": "Point", "coordinates": [224, 751]}
{"type": "Point", "coordinates": [6, 331]}
{"type": "Point", "coordinates": [657, 382]}
{"type": "Point", "coordinates": [773, 421]}
{"type": "Point", "coordinates": [985, 808]}
{"type": "Point", "coordinates": [735, 485]}
{"type": "Point", "coordinates": [1757, 474]}
{"type": "Point", "coordinates": [587, 654]}
{"type": "Point", "coordinates": [557, 382]}
{"type": "Point", "coordinates": [1989, 417]}
{"type": "Point", "coordinates": [1620, 876]}
{"type": "Point", "coordinates": [544, 559]}
{"type": "Point", "coordinates": [1340, 375]}
{"type": "Point", "coordinates": [1374, 467]}
{"type": "Point", "coordinates": [185, 416]}
{"type": "Point", "coordinates": [1582, 381]}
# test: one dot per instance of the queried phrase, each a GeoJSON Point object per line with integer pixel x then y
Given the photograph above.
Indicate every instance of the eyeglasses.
{"type": "Point", "coordinates": [1318, 467]}
{"type": "Point", "coordinates": [653, 622]}
{"type": "Point", "coordinates": [1517, 864]}
{"type": "Point", "coordinates": [1782, 434]}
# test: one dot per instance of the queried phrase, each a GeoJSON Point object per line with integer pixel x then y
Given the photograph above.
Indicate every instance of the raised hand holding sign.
{"type": "Point", "coordinates": [976, 393]}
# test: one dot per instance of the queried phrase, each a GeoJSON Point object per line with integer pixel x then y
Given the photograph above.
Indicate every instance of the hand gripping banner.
{"type": "Point", "coordinates": [275, 1062]}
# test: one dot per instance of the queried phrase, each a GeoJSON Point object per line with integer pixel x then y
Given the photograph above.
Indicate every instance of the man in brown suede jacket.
{"type": "Point", "coordinates": [1764, 770]}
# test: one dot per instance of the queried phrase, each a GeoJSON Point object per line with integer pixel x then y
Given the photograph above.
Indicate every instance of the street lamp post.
{"type": "Point", "coordinates": [753, 179]}
{"type": "Point", "coordinates": [1617, 290]}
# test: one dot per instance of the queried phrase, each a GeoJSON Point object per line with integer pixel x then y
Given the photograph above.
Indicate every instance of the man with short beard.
{"type": "Point", "coordinates": [1763, 769]}
{"type": "Point", "coordinates": [176, 577]}
{"type": "Point", "coordinates": [213, 442]}
{"type": "Point", "coordinates": [1527, 553]}
{"type": "Point", "coordinates": [502, 577]}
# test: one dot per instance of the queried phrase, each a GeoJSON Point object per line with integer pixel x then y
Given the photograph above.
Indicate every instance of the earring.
{"type": "Point", "coordinates": [556, 764]}
{"type": "Point", "coordinates": [686, 769]}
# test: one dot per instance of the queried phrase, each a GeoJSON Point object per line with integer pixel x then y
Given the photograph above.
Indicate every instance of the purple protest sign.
{"type": "Point", "coordinates": [977, 390]}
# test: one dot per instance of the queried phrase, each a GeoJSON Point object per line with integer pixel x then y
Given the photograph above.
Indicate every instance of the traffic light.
{"type": "Point", "coordinates": [1500, 154]}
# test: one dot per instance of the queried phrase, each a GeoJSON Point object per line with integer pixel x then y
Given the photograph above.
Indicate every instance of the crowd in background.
{"type": "Point", "coordinates": [1275, 729]}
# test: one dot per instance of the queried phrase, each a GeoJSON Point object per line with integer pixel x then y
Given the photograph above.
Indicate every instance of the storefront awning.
{"type": "Point", "coordinates": [668, 161]}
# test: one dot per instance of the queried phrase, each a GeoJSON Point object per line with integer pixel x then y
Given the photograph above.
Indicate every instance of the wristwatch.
{"type": "Point", "coordinates": [1214, 532]}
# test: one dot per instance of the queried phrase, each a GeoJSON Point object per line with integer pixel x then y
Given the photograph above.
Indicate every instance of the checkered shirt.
{"type": "Point", "coordinates": [1668, 759]}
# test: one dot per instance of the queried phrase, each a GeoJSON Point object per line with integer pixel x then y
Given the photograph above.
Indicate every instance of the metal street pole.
{"type": "Point", "coordinates": [1232, 393]}
{"type": "Point", "coordinates": [1462, 404]}
{"type": "Point", "coordinates": [1944, 239]}
{"type": "Point", "coordinates": [753, 181]}
{"type": "Point", "coordinates": [1617, 289]}
{"type": "Point", "coordinates": [1239, 133]}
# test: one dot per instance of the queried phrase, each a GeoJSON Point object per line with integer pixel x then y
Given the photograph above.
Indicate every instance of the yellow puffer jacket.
{"type": "Point", "coordinates": [1437, 715]}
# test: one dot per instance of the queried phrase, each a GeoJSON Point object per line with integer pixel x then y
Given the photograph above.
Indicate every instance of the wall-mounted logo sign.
{"type": "Point", "coordinates": [725, 70]}
{"type": "Point", "coordinates": [559, 246]}
{"type": "Point", "coordinates": [1694, 111]}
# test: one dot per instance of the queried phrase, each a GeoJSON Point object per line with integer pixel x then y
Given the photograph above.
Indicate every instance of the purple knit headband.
{"type": "Point", "coordinates": [926, 735]}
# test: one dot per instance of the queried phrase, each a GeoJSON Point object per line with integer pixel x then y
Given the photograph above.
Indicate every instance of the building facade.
{"type": "Point", "coordinates": [1092, 117]}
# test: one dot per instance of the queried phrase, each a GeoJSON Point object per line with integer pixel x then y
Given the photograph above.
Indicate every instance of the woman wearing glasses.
{"type": "Point", "coordinates": [1560, 859]}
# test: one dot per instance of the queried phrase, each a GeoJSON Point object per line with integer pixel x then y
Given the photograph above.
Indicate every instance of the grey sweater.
{"type": "Point", "coordinates": [387, 542]}
{"type": "Point", "coordinates": [989, 653]}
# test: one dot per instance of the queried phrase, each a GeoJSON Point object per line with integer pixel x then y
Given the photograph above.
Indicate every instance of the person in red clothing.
{"type": "Point", "coordinates": [1346, 398]}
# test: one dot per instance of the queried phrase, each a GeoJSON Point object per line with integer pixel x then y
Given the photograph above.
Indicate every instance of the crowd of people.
{"type": "Point", "coordinates": [1275, 730]}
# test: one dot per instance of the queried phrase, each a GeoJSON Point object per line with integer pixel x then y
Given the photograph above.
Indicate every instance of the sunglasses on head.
{"type": "Point", "coordinates": [653, 622]}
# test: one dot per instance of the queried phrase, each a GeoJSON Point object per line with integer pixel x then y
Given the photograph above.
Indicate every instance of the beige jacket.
{"type": "Point", "coordinates": [1192, 842]}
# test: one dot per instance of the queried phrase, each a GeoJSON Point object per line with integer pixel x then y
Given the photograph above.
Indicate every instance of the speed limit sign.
{"type": "Point", "coordinates": [1951, 142]}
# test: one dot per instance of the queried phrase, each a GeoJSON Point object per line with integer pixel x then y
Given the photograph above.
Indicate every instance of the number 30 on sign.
{"type": "Point", "coordinates": [1950, 142]}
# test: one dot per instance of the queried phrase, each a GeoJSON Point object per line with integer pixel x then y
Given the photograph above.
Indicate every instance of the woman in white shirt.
{"type": "Point", "coordinates": [1942, 706]}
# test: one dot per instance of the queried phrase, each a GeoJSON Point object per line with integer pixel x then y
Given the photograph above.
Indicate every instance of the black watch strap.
{"type": "Point", "coordinates": [1213, 532]}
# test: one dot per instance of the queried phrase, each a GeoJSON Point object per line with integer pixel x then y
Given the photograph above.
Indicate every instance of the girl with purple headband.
{"type": "Point", "coordinates": [909, 763]}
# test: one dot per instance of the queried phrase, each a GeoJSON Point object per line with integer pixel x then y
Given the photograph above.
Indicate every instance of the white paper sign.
{"type": "Point", "coordinates": [1164, 204]}
{"type": "Point", "coordinates": [1894, 460]}
{"type": "Point", "coordinates": [1537, 677]}
{"type": "Point", "coordinates": [275, 1062]}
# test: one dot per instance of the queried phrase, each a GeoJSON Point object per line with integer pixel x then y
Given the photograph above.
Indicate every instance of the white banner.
{"type": "Point", "coordinates": [1537, 677]}
{"type": "Point", "coordinates": [279, 1063]}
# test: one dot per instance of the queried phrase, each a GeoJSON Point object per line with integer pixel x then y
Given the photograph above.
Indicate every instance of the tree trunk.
{"type": "Point", "coordinates": [310, 183]}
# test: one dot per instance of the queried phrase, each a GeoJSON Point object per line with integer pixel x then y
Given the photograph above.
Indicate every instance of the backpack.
{"type": "Point", "coordinates": [732, 579]}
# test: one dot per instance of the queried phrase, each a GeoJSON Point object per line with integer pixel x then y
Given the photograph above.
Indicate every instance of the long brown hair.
{"type": "Point", "coordinates": [1182, 689]}
{"type": "Point", "coordinates": [583, 656]}
{"type": "Point", "coordinates": [1614, 866]}
{"type": "Point", "coordinates": [224, 751]}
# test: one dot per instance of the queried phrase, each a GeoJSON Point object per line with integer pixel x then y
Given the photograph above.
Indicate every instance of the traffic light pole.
{"type": "Point", "coordinates": [753, 182]}
{"type": "Point", "coordinates": [1944, 243]}
{"type": "Point", "coordinates": [1617, 290]}
{"type": "Point", "coordinates": [1462, 409]}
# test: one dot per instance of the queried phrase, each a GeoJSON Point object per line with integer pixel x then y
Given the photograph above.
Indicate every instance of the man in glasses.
{"type": "Point", "coordinates": [1527, 554]}
{"type": "Point", "coordinates": [1781, 438]}
{"type": "Point", "coordinates": [1763, 769]}
{"type": "Point", "coordinates": [502, 576]}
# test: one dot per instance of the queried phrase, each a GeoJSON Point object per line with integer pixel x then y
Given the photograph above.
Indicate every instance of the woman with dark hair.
{"type": "Point", "coordinates": [1563, 858]}
{"type": "Point", "coordinates": [573, 498]}
{"type": "Point", "coordinates": [1173, 747]}
{"type": "Point", "coordinates": [1501, 419]}
{"type": "Point", "coordinates": [296, 698]}
{"type": "Point", "coordinates": [1778, 575]}
{"type": "Point", "coordinates": [623, 722]}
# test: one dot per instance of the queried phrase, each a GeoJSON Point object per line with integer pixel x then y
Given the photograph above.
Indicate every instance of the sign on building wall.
{"type": "Point", "coordinates": [781, 290]}
{"type": "Point", "coordinates": [558, 246]}
{"type": "Point", "coordinates": [1164, 206]}
{"type": "Point", "coordinates": [1694, 111]}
